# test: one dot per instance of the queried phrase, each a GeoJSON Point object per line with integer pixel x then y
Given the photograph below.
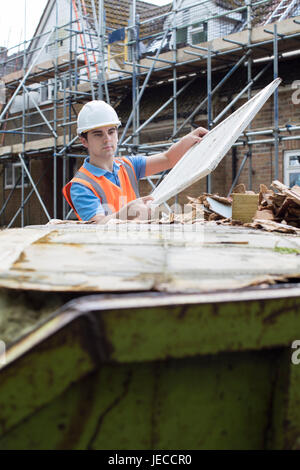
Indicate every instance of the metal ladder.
{"type": "Point", "coordinates": [88, 27]}
{"type": "Point", "coordinates": [99, 27]}
{"type": "Point", "coordinates": [282, 10]}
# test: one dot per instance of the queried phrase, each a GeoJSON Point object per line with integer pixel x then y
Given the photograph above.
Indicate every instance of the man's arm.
{"type": "Point", "coordinates": [166, 160]}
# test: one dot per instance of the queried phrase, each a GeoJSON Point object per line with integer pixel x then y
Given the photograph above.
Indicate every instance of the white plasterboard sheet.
{"type": "Point", "coordinates": [201, 159]}
{"type": "Point", "coordinates": [219, 208]}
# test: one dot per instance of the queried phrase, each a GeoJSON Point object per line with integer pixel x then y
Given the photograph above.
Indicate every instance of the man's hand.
{"type": "Point", "coordinates": [165, 161]}
{"type": "Point", "coordinates": [193, 137]}
{"type": "Point", "coordinates": [139, 209]}
{"type": "Point", "coordinates": [185, 143]}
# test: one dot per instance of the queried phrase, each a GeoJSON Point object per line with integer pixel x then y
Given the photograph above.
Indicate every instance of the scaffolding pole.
{"type": "Point", "coordinates": [276, 126]}
{"type": "Point", "coordinates": [209, 107]}
{"type": "Point", "coordinates": [249, 78]}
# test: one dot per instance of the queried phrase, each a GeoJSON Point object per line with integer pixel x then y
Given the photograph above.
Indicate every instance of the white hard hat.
{"type": "Point", "coordinates": [96, 114]}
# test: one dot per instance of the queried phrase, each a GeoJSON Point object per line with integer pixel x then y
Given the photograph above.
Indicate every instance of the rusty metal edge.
{"type": "Point", "coordinates": [85, 306]}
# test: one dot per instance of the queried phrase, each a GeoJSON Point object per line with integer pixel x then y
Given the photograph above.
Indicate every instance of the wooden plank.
{"type": "Point", "coordinates": [42, 70]}
{"type": "Point", "coordinates": [32, 145]}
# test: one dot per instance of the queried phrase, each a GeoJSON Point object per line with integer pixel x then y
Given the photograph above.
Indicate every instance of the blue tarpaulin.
{"type": "Point", "coordinates": [117, 35]}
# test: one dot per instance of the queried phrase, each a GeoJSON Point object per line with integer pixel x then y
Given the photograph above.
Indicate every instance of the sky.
{"type": "Point", "coordinates": [12, 19]}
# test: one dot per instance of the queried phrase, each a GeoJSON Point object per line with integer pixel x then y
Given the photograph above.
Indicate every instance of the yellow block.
{"type": "Point", "coordinates": [244, 206]}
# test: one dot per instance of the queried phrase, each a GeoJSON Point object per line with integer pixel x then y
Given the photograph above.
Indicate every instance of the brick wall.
{"type": "Point", "coordinates": [33, 212]}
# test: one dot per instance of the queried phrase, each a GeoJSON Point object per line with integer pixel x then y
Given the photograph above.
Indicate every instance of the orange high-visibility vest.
{"type": "Point", "coordinates": [112, 197]}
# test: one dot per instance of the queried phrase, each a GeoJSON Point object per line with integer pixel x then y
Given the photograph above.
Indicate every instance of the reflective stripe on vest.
{"type": "Point", "coordinates": [131, 173]}
{"type": "Point", "coordinates": [66, 193]}
{"type": "Point", "coordinates": [80, 175]}
{"type": "Point", "coordinates": [111, 196]}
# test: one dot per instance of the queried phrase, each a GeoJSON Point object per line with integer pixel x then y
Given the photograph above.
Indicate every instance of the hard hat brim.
{"type": "Point", "coordinates": [106, 124]}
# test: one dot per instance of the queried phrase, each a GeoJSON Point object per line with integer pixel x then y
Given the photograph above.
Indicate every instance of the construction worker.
{"type": "Point", "coordinates": [106, 187]}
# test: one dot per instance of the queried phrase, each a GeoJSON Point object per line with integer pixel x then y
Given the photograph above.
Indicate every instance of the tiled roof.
{"type": "Point", "coordinates": [262, 12]}
{"type": "Point", "coordinates": [118, 12]}
{"type": "Point", "coordinates": [154, 26]}
{"type": "Point", "coordinates": [229, 4]}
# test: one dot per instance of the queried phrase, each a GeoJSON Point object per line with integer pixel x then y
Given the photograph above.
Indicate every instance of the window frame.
{"type": "Point", "coordinates": [13, 166]}
{"type": "Point", "coordinates": [193, 29]}
{"type": "Point", "coordinates": [49, 85]}
{"type": "Point", "coordinates": [287, 168]}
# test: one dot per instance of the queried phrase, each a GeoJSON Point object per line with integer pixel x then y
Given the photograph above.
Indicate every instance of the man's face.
{"type": "Point", "coordinates": [102, 142]}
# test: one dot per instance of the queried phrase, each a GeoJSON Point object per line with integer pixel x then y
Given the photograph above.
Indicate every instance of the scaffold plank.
{"type": "Point", "coordinates": [42, 70]}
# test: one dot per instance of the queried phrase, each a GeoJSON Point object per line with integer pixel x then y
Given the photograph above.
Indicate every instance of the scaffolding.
{"type": "Point", "coordinates": [180, 51]}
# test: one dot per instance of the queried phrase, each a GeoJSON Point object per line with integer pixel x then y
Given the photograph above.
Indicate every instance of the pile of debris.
{"type": "Point", "coordinates": [282, 207]}
{"type": "Point", "coordinates": [278, 208]}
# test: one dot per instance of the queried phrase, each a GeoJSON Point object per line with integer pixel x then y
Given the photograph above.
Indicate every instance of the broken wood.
{"type": "Point", "coordinates": [272, 226]}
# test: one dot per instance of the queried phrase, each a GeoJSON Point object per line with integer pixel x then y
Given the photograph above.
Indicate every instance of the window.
{"type": "Point", "coordinates": [193, 34]}
{"type": "Point", "coordinates": [197, 33]}
{"type": "Point", "coordinates": [9, 178]}
{"type": "Point", "coordinates": [69, 83]}
{"type": "Point", "coordinates": [47, 91]}
{"type": "Point", "coordinates": [44, 92]}
{"type": "Point", "coordinates": [181, 35]}
{"type": "Point", "coordinates": [13, 174]}
{"type": "Point", "coordinates": [292, 168]}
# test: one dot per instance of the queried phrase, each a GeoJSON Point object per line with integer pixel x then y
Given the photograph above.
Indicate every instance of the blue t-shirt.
{"type": "Point", "coordinates": [88, 205]}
